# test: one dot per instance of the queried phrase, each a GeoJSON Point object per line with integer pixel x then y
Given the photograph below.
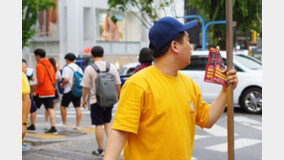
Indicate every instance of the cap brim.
{"type": "Point", "coordinates": [189, 25]}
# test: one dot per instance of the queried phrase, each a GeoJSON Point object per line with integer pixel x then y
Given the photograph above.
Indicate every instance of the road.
{"type": "Point", "coordinates": [209, 143]}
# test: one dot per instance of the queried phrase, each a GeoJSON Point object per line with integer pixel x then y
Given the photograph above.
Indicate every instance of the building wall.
{"type": "Point", "coordinates": [78, 26]}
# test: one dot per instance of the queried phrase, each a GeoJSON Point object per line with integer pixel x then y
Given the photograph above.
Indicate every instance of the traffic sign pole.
{"type": "Point", "coordinates": [230, 107]}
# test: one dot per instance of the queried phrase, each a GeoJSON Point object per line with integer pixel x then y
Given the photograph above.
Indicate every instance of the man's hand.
{"type": "Point", "coordinates": [24, 128]}
{"type": "Point", "coordinates": [84, 104]}
{"type": "Point", "coordinates": [232, 77]}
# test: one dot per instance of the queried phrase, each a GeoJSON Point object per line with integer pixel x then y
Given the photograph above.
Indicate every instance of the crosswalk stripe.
{"type": "Point", "coordinates": [217, 131]}
{"type": "Point", "coordinates": [199, 136]}
{"type": "Point", "coordinates": [239, 143]}
{"type": "Point", "coordinates": [248, 122]}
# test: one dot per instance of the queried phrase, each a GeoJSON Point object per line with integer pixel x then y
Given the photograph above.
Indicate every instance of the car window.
{"type": "Point", "coordinates": [130, 71]}
{"type": "Point", "coordinates": [248, 62]}
{"type": "Point", "coordinates": [237, 68]}
{"type": "Point", "coordinates": [197, 63]}
{"type": "Point", "coordinates": [122, 70]}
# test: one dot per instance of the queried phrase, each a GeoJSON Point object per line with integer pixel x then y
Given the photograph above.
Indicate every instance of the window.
{"type": "Point", "coordinates": [117, 26]}
{"type": "Point", "coordinates": [249, 62]}
{"type": "Point", "coordinates": [197, 63]}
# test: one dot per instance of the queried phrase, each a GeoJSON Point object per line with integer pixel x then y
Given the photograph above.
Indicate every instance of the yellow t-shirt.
{"type": "Point", "coordinates": [160, 112]}
{"type": "Point", "coordinates": [25, 84]}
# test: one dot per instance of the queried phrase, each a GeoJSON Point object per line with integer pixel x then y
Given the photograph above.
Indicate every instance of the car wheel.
{"type": "Point", "coordinates": [251, 100]}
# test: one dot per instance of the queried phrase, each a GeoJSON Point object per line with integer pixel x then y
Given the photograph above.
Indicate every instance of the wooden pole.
{"type": "Point", "coordinates": [230, 104]}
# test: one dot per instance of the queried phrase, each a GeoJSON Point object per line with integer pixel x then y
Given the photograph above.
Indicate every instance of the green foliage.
{"type": "Point", "coordinates": [247, 14]}
{"type": "Point", "coordinates": [30, 9]}
{"type": "Point", "coordinates": [148, 11]}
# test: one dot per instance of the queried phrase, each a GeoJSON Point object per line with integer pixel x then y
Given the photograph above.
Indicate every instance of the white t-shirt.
{"type": "Point", "coordinates": [67, 73]}
{"type": "Point", "coordinates": [90, 75]}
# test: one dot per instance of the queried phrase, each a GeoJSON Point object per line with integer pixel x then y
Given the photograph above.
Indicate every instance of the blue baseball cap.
{"type": "Point", "coordinates": [165, 29]}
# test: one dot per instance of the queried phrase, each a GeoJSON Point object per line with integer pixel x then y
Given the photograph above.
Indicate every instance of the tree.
{"type": "Point", "coordinates": [30, 9]}
{"type": "Point", "coordinates": [148, 10]}
{"type": "Point", "coordinates": [247, 14]}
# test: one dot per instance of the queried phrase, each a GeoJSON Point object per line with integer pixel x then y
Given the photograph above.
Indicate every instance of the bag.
{"type": "Point", "coordinates": [105, 87]}
{"type": "Point", "coordinates": [76, 86]}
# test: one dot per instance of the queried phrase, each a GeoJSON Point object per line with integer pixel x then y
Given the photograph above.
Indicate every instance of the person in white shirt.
{"type": "Point", "coordinates": [67, 75]}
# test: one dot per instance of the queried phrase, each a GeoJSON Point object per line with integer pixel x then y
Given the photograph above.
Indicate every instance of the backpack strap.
{"type": "Point", "coordinates": [96, 68]}
{"type": "Point", "coordinates": [107, 66]}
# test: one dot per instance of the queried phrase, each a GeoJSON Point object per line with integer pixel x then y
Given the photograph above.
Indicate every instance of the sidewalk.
{"type": "Point", "coordinates": [69, 144]}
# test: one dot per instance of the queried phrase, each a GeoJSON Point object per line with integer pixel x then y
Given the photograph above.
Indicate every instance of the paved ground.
{"type": "Point", "coordinates": [209, 143]}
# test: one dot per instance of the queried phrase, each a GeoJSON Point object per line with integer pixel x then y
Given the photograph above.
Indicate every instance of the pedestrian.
{"type": "Point", "coordinates": [33, 107]}
{"type": "Point", "coordinates": [159, 107]}
{"type": "Point", "coordinates": [56, 97]}
{"type": "Point", "coordinates": [100, 116]}
{"type": "Point", "coordinates": [26, 102]}
{"type": "Point", "coordinates": [145, 59]}
{"type": "Point", "coordinates": [68, 76]}
{"type": "Point", "coordinates": [45, 91]}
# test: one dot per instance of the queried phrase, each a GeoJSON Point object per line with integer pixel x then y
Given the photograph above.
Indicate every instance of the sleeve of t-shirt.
{"type": "Point", "coordinates": [40, 74]}
{"type": "Point", "coordinates": [202, 115]}
{"type": "Point", "coordinates": [86, 80]}
{"type": "Point", "coordinates": [127, 116]}
{"type": "Point", "coordinates": [58, 75]}
{"type": "Point", "coordinates": [25, 85]}
{"type": "Point", "coordinates": [117, 77]}
{"type": "Point", "coordinates": [66, 72]}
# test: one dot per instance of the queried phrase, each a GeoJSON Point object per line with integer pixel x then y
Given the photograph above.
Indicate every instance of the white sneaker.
{"type": "Point", "coordinates": [61, 125]}
{"type": "Point", "coordinates": [76, 128]}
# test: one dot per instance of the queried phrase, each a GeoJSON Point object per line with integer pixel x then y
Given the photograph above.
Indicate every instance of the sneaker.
{"type": "Point", "coordinates": [52, 130]}
{"type": "Point", "coordinates": [76, 128]}
{"type": "Point", "coordinates": [25, 147]}
{"type": "Point", "coordinates": [99, 152]}
{"type": "Point", "coordinates": [31, 128]}
{"type": "Point", "coordinates": [61, 125]}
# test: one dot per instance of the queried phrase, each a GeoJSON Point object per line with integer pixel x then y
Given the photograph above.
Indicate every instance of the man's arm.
{"type": "Point", "coordinates": [114, 144]}
{"type": "Point", "coordinates": [117, 89]}
{"type": "Point", "coordinates": [65, 81]}
{"type": "Point", "coordinates": [216, 109]}
{"type": "Point", "coordinates": [26, 102]}
{"type": "Point", "coordinates": [84, 96]}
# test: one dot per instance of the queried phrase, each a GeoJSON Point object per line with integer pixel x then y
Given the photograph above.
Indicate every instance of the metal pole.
{"type": "Point", "coordinates": [230, 107]}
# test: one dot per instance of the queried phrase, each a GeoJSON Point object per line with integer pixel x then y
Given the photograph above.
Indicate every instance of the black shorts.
{"type": "Point", "coordinates": [33, 105]}
{"type": "Point", "coordinates": [48, 102]}
{"type": "Point", "coordinates": [68, 97]}
{"type": "Point", "coordinates": [100, 115]}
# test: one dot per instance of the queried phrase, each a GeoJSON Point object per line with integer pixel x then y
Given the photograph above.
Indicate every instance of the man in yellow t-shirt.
{"type": "Point", "coordinates": [158, 106]}
{"type": "Point", "coordinates": [25, 103]}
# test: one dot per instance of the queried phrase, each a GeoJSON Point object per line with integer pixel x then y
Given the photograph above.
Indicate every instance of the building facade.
{"type": "Point", "coordinates": [79, 24]}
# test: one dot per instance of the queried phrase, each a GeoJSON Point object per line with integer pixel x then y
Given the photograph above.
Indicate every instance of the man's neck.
{"type": "Point", "coordinates": [166, 65]}
{"type": "Point", "coordinates": [97, 58]}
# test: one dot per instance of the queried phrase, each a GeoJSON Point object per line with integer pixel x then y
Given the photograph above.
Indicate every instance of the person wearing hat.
{"type": "Point", "coordinates": [145, 59]}
{"type": "Point", "coordinates": [159, 107]}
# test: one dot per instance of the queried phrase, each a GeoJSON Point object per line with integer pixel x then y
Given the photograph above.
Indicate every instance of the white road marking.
{"type": "Point", "coordinates": [199, 136]}
{"type": "Point", "coordinates": [217, 131]}
{"type": "Point", "coordinates": [239, 143]}
{"type": "Point", "coordinates": [248, 122]}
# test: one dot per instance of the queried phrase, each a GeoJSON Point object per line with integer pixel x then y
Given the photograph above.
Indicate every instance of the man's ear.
{"type": "Point", "coordinates": [174, 47]}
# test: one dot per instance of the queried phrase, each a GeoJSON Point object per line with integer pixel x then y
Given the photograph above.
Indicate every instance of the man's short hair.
{"type": "Point", "coordinates": [97, 51]}
{"type": "Point", "coordinates": [24, 61]}
{"type": "Point", "coordinates": [145, 55]}
{"type": "Point", "coordinates": [70, 56]}
{"type": "Point", "coordinates": [39, 52]}
{"type": "Point", "coordinates": [160, 52]}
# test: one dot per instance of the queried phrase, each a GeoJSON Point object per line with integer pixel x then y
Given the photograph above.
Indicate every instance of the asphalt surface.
{"type": "Point", "coordinates": [210, 144]}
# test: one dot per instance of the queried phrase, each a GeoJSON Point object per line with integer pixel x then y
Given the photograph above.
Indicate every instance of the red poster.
{"type": "Point", "coordinates": [214, 67]}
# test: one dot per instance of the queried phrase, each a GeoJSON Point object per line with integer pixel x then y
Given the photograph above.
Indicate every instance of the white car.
{"type": "Point", "coordinates": [248, 93]}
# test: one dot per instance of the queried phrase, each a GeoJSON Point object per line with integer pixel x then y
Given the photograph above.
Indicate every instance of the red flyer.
{"type": "Point", "coordinates": [214, 67]}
